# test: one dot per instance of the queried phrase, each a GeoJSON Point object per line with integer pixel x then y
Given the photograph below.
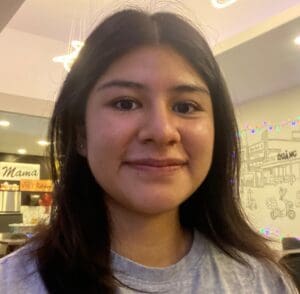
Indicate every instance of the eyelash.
{"type": "Point", "coordinates": [195, 107]}
{"type": "Point", "coordinates": [115, 104]}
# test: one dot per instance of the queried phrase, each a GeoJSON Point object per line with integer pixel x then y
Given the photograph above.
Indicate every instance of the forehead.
{"type": "Point", "coordinates": [152, 64]}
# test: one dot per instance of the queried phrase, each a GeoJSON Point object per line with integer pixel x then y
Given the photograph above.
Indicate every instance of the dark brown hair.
{"type": "Point", "coordinates": [74, 251]}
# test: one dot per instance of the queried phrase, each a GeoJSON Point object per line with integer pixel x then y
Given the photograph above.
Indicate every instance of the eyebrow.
{"type": "Point", "coordinates": [122, 84]}
{"type": "Point", "coordinates": [191, 88]}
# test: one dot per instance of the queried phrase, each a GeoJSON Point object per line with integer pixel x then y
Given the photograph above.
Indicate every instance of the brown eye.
{"type": "Point", "coordinates": [185, 107]}
{"type": "Point", "coordinates": [126, 104]}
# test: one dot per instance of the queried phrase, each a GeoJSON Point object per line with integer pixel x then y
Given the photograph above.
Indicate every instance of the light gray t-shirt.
{"type": "Point", "coordinates": [205, 269]}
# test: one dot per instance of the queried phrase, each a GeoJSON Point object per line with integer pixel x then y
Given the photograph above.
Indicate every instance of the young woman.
{"type": "Point", "coordinates": [145, 161]}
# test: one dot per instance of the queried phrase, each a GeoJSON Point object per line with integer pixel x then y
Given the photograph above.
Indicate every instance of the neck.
{"type": "Point", "coordinates": [155, 241]}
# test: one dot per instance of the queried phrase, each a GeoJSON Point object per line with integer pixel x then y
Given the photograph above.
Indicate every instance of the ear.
{"type": "Point", "coordinates": [81, 142]}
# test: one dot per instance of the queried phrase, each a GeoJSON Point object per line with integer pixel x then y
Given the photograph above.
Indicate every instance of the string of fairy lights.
{"type": "Point", "coordinates": [269, 127]}
{"type": "Point", "coordinates": [270, 232]}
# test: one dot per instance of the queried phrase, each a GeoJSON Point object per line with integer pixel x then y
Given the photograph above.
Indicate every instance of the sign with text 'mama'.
{"type": "Point", "coordinates": [12, 171]}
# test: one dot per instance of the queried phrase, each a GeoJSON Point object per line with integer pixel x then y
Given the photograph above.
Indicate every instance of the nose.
{"type": "Point", "coordinates": [159, 127]}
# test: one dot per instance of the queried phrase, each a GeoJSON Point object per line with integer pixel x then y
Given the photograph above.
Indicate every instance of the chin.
{"type": "Point", "coordinates": [155, 205]}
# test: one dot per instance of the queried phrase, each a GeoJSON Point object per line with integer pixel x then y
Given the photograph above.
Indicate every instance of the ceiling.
{"type": "Point", "coordinates": [23, 132]}
{"type": "Point", "coordinates": [252, 41]}
{"type": "Point", "coordinates": [61, 19]}
{"type": "Point", "coordinates": [264, 65]}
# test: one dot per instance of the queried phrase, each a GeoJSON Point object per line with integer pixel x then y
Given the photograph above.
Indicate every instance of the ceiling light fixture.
{"type": "Point", "coordinates": [4, 123]}
{"type": "Point", "coordinates": [22, 151]}
{"type": "Point", "coordinates": [222, 3]}
{"type": "Point", "coordinates": [68, 60]}
{"type": "Point", "coordinates": [297, 40]}
{"type": "Point", "coordinates": [43, 143]}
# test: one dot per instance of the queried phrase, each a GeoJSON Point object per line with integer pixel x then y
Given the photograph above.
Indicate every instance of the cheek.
{"type": "Point", "coordinates": [199, 145]}
{"type": "Point", "coordinates": [199, 140]}
{"type": "Point", "coordinates": [108, 136]}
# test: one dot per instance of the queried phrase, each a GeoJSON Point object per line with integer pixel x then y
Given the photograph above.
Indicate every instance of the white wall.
{"type": "Point", "coordinates": [27, 68]}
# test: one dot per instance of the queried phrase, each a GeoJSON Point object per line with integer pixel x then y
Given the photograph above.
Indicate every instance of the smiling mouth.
{"type": "Point", "coordinates": [157, 165]}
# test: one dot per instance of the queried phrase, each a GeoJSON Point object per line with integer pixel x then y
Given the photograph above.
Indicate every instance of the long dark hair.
{"type": "Point", "coordinates": [74, 250]}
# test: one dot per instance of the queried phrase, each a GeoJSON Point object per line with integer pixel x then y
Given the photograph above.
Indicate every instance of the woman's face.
{"type": "Point", "coordinates": [149, 131]}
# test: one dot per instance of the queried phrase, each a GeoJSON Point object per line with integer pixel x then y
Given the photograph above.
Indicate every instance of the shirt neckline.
{"type": "Point", "coordinates": [127, 269]}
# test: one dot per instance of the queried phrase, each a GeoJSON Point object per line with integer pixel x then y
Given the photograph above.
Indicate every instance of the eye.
{"type": "Point", "coordinates": [186, 107]}
{"type": "Point", "coordinates": [126, 104]}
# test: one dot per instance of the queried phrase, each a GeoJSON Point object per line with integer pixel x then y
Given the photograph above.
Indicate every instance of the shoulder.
{"type": "Point", "coordinates": [267, 277]}
{"type": "Point", "coordinates": [257, 277]}
{"type": "Point", "coordinates": [19, 274]}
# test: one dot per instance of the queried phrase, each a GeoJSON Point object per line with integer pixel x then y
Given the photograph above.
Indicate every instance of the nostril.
{"type": "Point", "coordinates": [159, 126]}
{"type": "Point", "coordinates": [165, 136]}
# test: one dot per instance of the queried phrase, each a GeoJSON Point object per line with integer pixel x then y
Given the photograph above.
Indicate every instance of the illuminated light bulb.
{"type": "Point", "coordinates": [4, 123]}
{"type": "Point", "coordinates": [293, 123]}
{"type": "Point", "coordinates": [222, 3]}
{"type": "Point", "coordinates": [268, 231]}
{"type": "Point", "coordinates": [43, 143]}
{"type": "Point", "coordinates": [68, 60]}
{"type": "Point", "coordinates": [22, 151]}
{"type": "Point", "coordinates": [297, 40]}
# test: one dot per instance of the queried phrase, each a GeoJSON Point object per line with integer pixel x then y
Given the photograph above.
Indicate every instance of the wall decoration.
{"type": "Point", "coordinates": [271, 127]}
{"type": "Point", "coordinates": [251, 202]}
{"type": "Point", "coordinates": [278, 211]}
{"type": "Point", "coordinates": [271, 232]}
{"type": "Point", "coordinates": [270, 176]}
{"type": "Point", "coordinates": [297, 203]}
{"type": "Point", "coordinates": [271, 161]}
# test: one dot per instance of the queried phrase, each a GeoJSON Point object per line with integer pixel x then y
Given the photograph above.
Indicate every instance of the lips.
{"type": "Point", "coordinates": [157, 164]}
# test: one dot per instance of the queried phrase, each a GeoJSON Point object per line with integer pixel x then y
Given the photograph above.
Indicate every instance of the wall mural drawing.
{"type": "Point", "coordinates": [270, 179]}
{"type": "Point", "coordinates": [251, 202]}
{"type": "Point", "coordinates": [286, 209]}
{"type": "Point", "coordinates": [297, 204]}
{"type": "Point", "coordinates": [271, 161]}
